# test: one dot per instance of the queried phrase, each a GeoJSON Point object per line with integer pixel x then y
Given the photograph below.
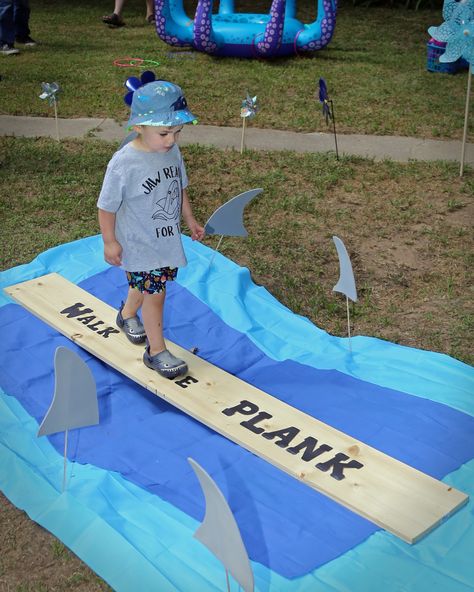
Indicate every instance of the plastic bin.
{"type": "Point", "coordinates": [435, 49]}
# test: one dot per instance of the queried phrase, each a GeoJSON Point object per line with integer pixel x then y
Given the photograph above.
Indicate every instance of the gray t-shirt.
{"type": "Point", "coordinates": [145, 191]}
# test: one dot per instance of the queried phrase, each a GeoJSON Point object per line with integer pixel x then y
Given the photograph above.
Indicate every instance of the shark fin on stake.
{"type": "Point", "coordinates": [219, 531]}
{"type": "Point", "coordinates": [74, 402]}
{"type": "Point", "coordinates": [346, 284]}
{"type": "Point", "coordinates": [228, 219]}
{"type": "Point", "coordinates": [129, 138]}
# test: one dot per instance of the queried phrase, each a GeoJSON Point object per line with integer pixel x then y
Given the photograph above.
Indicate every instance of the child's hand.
{"type": "Point", "coordinates": [197, 231]}
{"type": "Point", "coordinates": [113, 252]}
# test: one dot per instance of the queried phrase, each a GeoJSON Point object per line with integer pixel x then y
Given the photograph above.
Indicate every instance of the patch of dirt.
{"type": "Point", "coordinates": [33, 560]}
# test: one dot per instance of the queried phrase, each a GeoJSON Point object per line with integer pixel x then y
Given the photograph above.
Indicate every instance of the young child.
{"type": "Point", "coordinates": [140, 206]}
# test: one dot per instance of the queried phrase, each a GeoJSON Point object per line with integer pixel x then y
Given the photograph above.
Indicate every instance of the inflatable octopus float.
{"type": "Point", "coordinates": [242, 35]}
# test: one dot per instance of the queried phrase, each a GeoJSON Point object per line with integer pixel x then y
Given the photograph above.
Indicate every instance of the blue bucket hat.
{"type": "Point", "coordinates": [159, 103]}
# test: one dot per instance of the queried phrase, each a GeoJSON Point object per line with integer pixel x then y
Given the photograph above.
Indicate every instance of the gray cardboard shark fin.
{"type": "Point", "coordinates": [346, 284]}
{"type": "Point", "coordinates": [129, 138]}
{"type": "Point", "coordinates": [219, 531]}
{"type": "Point", "coordinates": [74, 402]}
{"type": "Point", "coordinates": [228, 219]}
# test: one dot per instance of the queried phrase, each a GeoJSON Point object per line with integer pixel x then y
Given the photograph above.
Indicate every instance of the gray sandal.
{"type": "Point", "coordinates": [165, 363]}
{"type": "Point", "coordinates": [133, 328]}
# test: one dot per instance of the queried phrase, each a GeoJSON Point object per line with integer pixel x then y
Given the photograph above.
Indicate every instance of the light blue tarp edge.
{"type": "Point", "coordinates": [229, 291]}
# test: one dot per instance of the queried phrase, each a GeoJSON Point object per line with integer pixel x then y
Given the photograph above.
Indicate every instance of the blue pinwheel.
{"type": "Point", "coordinates": [328, 109]}
{"type": "Point", "coordinates": [133, 83]}
{"type": "Point", "coordinates": [457, 31]}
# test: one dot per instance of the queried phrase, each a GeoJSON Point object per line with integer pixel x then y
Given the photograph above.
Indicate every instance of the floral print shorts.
{"type": "Point", "coordinates": [151, 282]}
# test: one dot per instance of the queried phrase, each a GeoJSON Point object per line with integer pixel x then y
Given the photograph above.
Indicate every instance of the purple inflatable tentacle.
{"type": "Point", "coordinates": [203, 37]}
{"type": "Point", "coordinates": [163, 19]}
{"type": "Point", "coordinates": [273, 31]}
{"type": "Point", "coordinates": [328, 24]}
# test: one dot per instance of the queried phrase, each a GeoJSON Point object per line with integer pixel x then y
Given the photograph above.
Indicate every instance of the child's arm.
{"type": "Point", "coordinates": [197, 231]}
{"type": "Point", "coordinates": [112, 248]}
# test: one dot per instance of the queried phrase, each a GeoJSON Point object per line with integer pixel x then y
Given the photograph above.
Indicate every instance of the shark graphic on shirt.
{"type": "Point", "coordinates": [168, 206]}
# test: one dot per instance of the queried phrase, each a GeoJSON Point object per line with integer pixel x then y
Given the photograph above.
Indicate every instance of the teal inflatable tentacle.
{"type": "Point", "coordinates": [172, 24]}
{"type": "Point", "coordinates": [318, 34]}
{"type": "Point", "coordinates": [290, 9]}
{"type": "Point", "coordinates": [226, 7]}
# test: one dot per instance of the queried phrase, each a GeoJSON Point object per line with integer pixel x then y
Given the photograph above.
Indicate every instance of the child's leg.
{"type": "Point", "coordinates": [127, 318]}
{"type": "Point", "coordinates": [133, 303]}
{"type": "Point", "coordinates": [152, 314]}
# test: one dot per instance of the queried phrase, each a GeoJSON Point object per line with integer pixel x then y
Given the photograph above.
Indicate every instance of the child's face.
{"type": "Point", "coordinates": [157, 139]}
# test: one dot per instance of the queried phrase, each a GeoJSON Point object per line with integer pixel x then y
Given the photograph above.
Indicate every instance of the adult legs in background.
{"type": "Point", "coordinates": [7, 25]}
{"type": "Point", "coordinates": [21, 17]}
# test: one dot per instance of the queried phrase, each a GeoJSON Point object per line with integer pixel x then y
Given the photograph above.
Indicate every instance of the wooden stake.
{"type": "Point", "coordinates": [348, 324]}
{"type": "Point", "coordinates": [227, 580]}
{"type": "Point", "coordinates": [65, 459]}
{"type": "Point", "coordinates": [466, 116]}
{"type": "Point", "coordinates": [334, 128]}
{"type": "Point", "coordinates": [56, 118]}
{"type": "Point", "coordinates": [217, 248]}
{"type": "Point", "coordinates": [243, 134]}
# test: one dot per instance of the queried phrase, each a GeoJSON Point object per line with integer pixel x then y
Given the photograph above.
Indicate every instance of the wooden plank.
{"type": "Point", "coordinates": [391, 494]}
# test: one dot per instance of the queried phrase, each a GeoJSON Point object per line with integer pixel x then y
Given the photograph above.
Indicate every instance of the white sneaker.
{"type": "Point", "coordinates": [26, 41]}
{"type": "Point", "coordinates": [8, 49]}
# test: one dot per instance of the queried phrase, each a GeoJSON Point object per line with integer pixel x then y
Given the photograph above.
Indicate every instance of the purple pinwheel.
{"type": "Point", "coordinates": [328, 109]}
{"type": "Point", "coordinates": [133, 83]}
{"type": "Point", "coordinates": [324, 100]}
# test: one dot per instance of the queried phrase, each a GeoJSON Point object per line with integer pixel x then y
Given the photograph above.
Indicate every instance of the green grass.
{"type": "Point", "coordinates": [405, 226]}
{"type": "Point", "coordinates": [375, 67]}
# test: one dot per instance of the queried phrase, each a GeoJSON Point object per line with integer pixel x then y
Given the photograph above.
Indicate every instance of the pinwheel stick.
{"type": "Point", "coordinates": [56, 118]}
{"type": "Point", "coordinates": [227, 580]}
{"type": "Point", "coordinates": [65, 458]}
{"type": "Point", "coordinates": [334, 128]}
{"type": "Point", "coordinates": [348, 323]}
{"type": "Point", "coordinates": [243, 135]}
{"type": "Point", "coordinates": [466, 118]}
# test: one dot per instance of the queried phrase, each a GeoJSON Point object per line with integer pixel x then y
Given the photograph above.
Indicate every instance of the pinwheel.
{"type": "Point", "coordinates": [457, 32]}
{"type": "Point", "coordinates": [249, 107]}
{"type": "Point", "coordinates": [248, 110]}
{"type": "Point", "coordinates": [50, 90]}
{"type": "Point", "coordinates": [133, 83]}
{"type": "Point", "coordinates": [324, 100]}
{"type": "Point", "coordinates": [328, 109]}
